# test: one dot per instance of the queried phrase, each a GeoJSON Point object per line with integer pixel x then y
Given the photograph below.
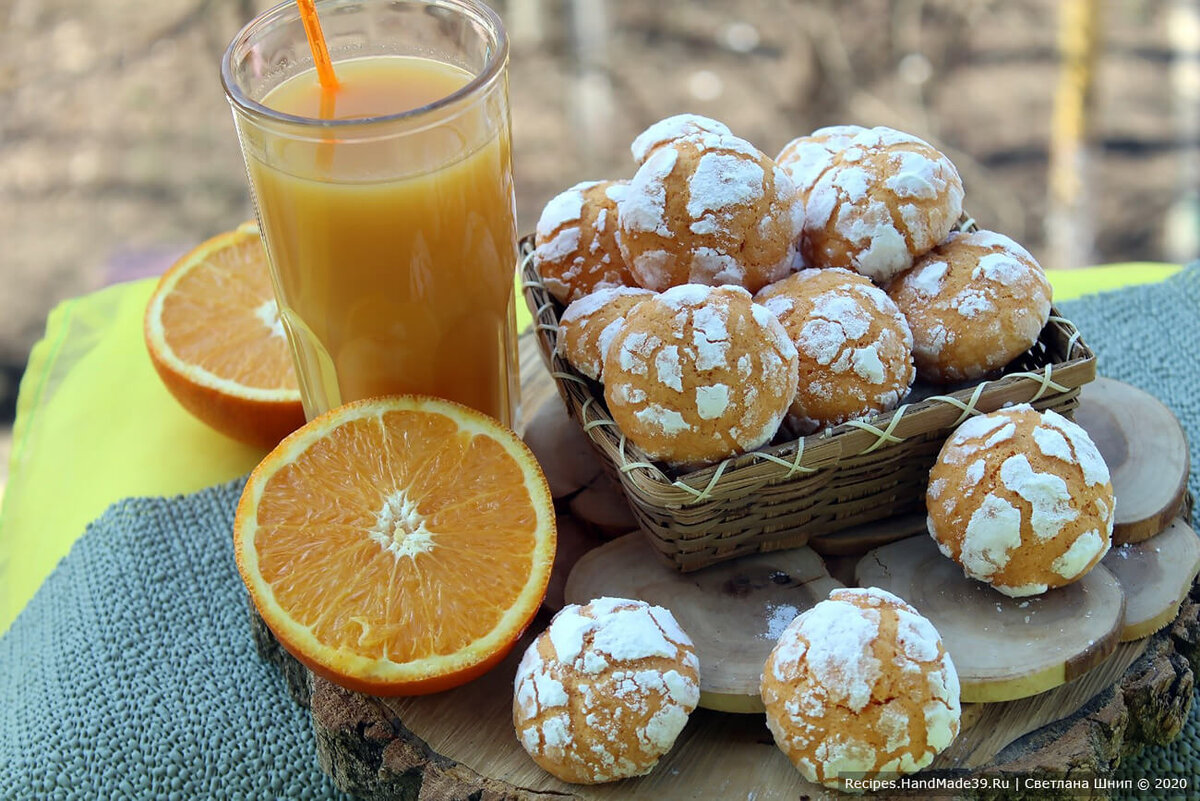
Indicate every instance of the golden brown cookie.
{"type": "Point", "coordinates": [709, 209]}
{"type": "Point", "coordinates": [974, 304]}
{"type": "Point", "coordinates": [588, 325]}
{"type": "Point", "coordinates": [604, 691]}
{"type": "Point", "coordinates": [854, 346]}
{"type": "Point", "coordinates": [1022, 500]}
{"type": "Point", "coordinates": [668, 130]}
{"type": "Point", "coordinates": [860, 685]}
{"type": "Point", "coordinates": [576, 248]}
{"type": "Point", "coordinates": [887, 198]}
{"type": "Point", "coordinates": [699, 373]}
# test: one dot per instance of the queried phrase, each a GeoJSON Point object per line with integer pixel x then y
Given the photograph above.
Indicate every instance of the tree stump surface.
{"type": "Point", "coordinates": [381, 748]}
{"type": "Point", "coordinates": [460, 744]}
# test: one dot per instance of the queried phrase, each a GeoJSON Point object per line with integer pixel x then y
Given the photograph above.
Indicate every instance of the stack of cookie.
{"type": "Point", "coordinates": [722, 296]}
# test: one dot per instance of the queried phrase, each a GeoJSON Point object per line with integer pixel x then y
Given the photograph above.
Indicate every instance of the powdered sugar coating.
{"type": "Point", "coordinates": [1014, 504]}
{"type": "Point", "coordinates": [671, 373]}
{"type": "Point", "coordinates": [1086, 548]}
{"type": "Point", "coordinates": [712, 401]}
{"type": "Point", "coordinates": [977, 427]}
{"type": "Point", "coordinates": [1047, 494]}
{"type": "Point", "coordinates": [992, 533]}
{"type": "Point", "coordinates": [709, 208]}
{"type": "Point", "coordinates": [854, 346]}
{"type": "Point", "coordinates": [643, 207]}
{"type": "Point", "coordinates": [603, 693]}
{"type": "Point", "coordinates": [588, 325]}
{"type": "Point", "coordinates": [564, 208]}
{"type": "Point", "coordinates": [806, 158]}
{"type": "Point", "coordinates": [562, 245]}
{"type": "Point", "coordinates": [1052, 443]}
{"type": "Point", "coordinates": [711, 266]}
{"type": "Point", "coordinates": [1095, 469]}
{"type": "Point", "coordinates": [860, 683]}
{"type": "Point", "coordinates": [671, 128]}
{"type": "Point", "coordinates": [885, 198]}
{"type": "Point", "coordinates": [722, 180]}
{"type": "Point", "coordinates": [974, 304]}
{"type": "Point", "coordinates": [576, 249]}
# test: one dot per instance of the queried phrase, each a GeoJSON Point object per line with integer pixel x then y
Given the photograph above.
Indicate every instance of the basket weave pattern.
{"type": "Point", "coordinates": [781, 495]}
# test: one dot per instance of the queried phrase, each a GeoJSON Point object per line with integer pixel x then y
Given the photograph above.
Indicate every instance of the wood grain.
{"type": "Point", "coordinates": [857, 540]}
{"type": "Point", "coordinates": [1004, 648]}
{"type": "Point", "coordinates": [574, 540]}
{"type": "Point", "coordinates": [733, 611]}
{"type": "Point", "coordinates": [1146, 451]}
{"type": "Point", "coordinates": [1155, 575]}
{"type": "Point", "coordinates": [536, 385]}
{"type": "Point", "coordinates": [460, 744]}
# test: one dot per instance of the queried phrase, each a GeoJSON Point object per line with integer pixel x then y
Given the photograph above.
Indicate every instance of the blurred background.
{"type": "Point", "coordinates": [1075, 124]}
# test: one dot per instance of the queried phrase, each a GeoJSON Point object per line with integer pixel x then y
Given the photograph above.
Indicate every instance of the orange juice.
{"type": "Point", "coordinates": [393, 253]}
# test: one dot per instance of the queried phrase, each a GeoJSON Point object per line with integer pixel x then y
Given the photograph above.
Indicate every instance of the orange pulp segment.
{"type": "Point", "coordinates": [214, 335]}
{"type": "Point", "coordinates": [397, 545]}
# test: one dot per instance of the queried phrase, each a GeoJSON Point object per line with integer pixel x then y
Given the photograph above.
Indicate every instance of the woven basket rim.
{"type": "Point", "coordinates": [787, 459]}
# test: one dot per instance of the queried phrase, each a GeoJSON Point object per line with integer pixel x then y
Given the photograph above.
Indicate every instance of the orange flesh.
{"type": "Point", "coordinates": [211, 319]}
{"type": "Point", "coordinates": [320, 516]}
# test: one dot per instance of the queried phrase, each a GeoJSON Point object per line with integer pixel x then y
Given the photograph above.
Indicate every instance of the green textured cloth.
{"type": "Point", "coordinates": [132, 673]}
{"type": "Point", "coordinates": [1148, 336]}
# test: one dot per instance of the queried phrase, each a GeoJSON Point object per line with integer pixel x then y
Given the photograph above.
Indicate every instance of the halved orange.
{"type": "Point", "coordinates": [214, 335]}
{"type": "Point", "coordinates": [397, 545]}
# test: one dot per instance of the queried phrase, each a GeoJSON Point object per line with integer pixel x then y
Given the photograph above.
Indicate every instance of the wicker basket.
{"type": "Point", "coordinates": [781, 495]}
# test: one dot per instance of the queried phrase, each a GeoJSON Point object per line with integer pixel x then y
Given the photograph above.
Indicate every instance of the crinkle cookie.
{"type": "Point", "coordinates": [974, 304]}
{"type": "Point", "coordinates": [699, 373]}
{"type": "Point", "coordinates": [671, 128]}
{"type": "Point", "coordinates": [603, 692]}
{"type": "Point", "coordinates": [854, 345]}
{"type": "Point", "coordinates": [576, 241]}
{"type": "Point", "coordinates": [860, 684]}
{"type": "Point", "coordinates": [709, 209]}
{"type": "Point", "coordinates": [589, 324]}
{"type": "Point", "coordinates": [1021, 500]}
{"type": "Point", "coordinates": [886, 198]}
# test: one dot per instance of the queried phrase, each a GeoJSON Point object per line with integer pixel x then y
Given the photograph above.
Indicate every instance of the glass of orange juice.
{"type": "Point", "coordinates": [386, 205]}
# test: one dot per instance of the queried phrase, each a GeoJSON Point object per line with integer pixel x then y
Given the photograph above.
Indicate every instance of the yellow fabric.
{"type": "Point", "coordinates": [1070, 284]}
{"type": "Point", "coordinates": [94, 425]}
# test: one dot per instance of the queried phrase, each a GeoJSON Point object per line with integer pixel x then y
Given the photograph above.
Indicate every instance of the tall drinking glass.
{"type": "Point", "coordinates": [386, 206]}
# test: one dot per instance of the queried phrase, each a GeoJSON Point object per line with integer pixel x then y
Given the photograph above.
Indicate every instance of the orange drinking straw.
{"type": "Point", "coordinates": [316, 42]}
{"type": "Point", "coordinates": [328, 81]}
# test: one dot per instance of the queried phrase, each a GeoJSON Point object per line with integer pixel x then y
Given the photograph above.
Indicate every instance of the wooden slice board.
{"type": "Point", "coordinates": [1146, 451]}
{"type": "Point", "coordinates": [461, 744]}
{"type": "Point", "coordinates": [734, 611]}
{"type": "Point", "coordinates": [1004, 648]}
{"type": "Point", "coordinates": [857, 540]}
{"type": "Point", "coordinates": [574, 540]}
{"type": "Point", "coordinates": [560, 446]}
{"type": "Point", "coordinates": [1155, 575]}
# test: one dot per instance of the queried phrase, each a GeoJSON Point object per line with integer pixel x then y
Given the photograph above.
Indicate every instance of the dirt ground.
{"type": "Point", "coordinates": [117, 150]}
